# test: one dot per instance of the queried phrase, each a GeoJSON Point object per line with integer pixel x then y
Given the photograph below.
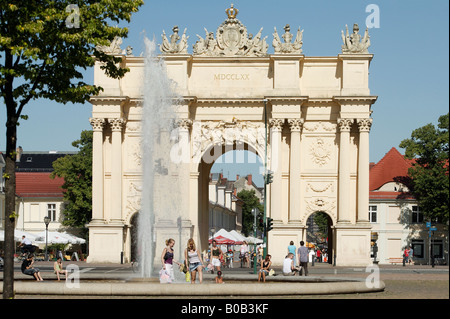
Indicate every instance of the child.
{"type": "Point", "coordinates": [219, 278]}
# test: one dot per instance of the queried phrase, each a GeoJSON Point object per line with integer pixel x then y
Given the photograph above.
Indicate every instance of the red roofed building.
{"type": "Point", "coordinates": [37, 194]}
{"type": "Point", "coordinates": [394, 214]}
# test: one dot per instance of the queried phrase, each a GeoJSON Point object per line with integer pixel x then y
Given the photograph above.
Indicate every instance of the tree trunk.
{"type": "Point", "coordinates": [10, 209]}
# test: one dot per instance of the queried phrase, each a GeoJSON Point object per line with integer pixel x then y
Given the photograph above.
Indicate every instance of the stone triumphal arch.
{"type": "Point", "coordinates": [319, 120]}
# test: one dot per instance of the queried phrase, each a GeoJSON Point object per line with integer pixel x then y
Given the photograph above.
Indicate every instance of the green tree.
{"type": "Point", "coordinates": [77, 173]}
{"type": "Point", "coordinates": [44, 46]}
{"type": "Point", "coordinates": [250, 201]}
{"type": "Point", "coordinates": [429, 147]}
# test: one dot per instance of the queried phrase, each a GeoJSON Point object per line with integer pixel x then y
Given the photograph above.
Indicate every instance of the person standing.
{"type": "Point", "coordinates": [303, 258]}
{"type": "Point", "coordinates": [244, 254]}
{"type": "Point", "coordinates": [193, 260]}
{"type": "Point", "coordinates": [411, 256]}
{"type": "Point", "coordinates": [167, 258]}
{"type": "Point", "coordinates": [216, 256]}
{"type": "Point", "coordinates": [405, 256]}
{"type": "Point", "coordinates": [293, 250]}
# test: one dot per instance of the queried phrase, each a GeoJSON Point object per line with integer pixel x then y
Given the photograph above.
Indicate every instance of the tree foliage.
{"type": "Point", "coordinates": [77, 173]}
{"type": "Point", "coordinates": [429, 147]}
{"type": "Point", "coordinates": [44, 46]}
{"type": "Point", "coordinates": [250, 201]}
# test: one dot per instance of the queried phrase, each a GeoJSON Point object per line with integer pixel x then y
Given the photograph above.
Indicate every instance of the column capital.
{"type": "Point", "coordinates": [364, 124]}
{"type": "Point", "coordinates": [117, 124]}
{"type": "Point", "coordinates": [276, 124]}
{"type": "Point", "coordinates": [184, 124]}
{"type": "Point", "coordinates": [345, 124]}
{"type": "Point", "coordinates": [295, 124]}
{"type": "Point", "coordinates": [97, 123]}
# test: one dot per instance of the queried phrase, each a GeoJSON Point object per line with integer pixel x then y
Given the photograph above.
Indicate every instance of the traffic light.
{"type": "Point", "coordinates": [261, 223]}
{"type": "Point", "coordinates": [269, 177]}
{"type": "Point", "coordinates": [269, 224]}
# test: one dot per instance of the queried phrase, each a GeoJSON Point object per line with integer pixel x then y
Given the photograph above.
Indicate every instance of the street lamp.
{"type": "Point", "coordinates": [46, 221]}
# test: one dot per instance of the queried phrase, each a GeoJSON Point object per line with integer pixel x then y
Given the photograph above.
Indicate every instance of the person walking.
{"type": "Point", "coordinates": [265, 268]}
{"type": "Point", "coordinates": [405, 256]}
{"type": "Point", "coordinates": [58, 268]}
{"type": "Point", "coordinates": [167, 259]}
{"type": "Point", "coordinates": [244, 255]}
{"type": "Point", "coordinates": [293, 250]}
{"type": "Point", "coordinates": [216, 256]}
{"type": "Point", "coordinates": [303, 258]}
{"type": "Point", "coordinates": [193, 261]}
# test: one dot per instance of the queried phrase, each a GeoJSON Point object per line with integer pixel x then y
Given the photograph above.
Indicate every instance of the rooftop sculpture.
{"type": "Point", "coordinates": [231, 39]}
{"type": "Point", "coordinates": [287, 46]}
{"type": "Point", "coordinates": [353, 43]}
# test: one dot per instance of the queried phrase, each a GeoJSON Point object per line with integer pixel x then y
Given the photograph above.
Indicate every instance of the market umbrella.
{"type": "Point", "coordinates": [222, 240]}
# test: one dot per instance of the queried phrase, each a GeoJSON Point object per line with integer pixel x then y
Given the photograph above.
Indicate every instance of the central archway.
{"type": "Point", "coordinates": [210, 156]}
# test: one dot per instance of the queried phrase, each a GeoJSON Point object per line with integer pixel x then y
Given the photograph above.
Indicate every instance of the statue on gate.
{"type": "Point", "coordinates": [353, 43]}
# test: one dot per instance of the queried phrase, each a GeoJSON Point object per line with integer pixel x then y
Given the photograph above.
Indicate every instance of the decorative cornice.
{"type": "Point", "coordinates": [98, 99]}
{"type": "Point", "coordinates": [355, 99]}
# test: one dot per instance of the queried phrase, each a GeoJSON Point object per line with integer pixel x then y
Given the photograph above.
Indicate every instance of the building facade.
{"type": "Point", "coordinates": [396, 217]}
{"type": "Point", "coordinates": [316, 110]}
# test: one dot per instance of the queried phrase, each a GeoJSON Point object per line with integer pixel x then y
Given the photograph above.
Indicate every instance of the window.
{"type": "Point", "coordinates": [373, 214]}
{"type": "Point", "coordinates": [437, 249]}
{"type": "Point", "coordinates": [417, 246]}
{"type": "Point", "coordinates": [51, 211]}
{"type": "Point", "coordinates": [417, 215]}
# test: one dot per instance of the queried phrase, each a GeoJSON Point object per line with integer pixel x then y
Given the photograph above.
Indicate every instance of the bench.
{"type": "Point", "coordinates": [397, 260]}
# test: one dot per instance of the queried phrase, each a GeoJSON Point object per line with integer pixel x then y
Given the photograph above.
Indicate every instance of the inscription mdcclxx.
{"type": "Point", "coordinates": [231, 76]}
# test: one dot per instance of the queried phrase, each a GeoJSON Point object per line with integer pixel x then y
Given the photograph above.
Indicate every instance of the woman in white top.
{"type": "Point", "coordinates": [244, 254]}
{"type": "Point", "coordinates": [193, 260]}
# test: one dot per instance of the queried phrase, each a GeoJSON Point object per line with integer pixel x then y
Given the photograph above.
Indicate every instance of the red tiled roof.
{"type": "Point", "coordinates": [389, 195]}
{"type": "Point", "coordinates": [393, 164]}
{"type": "Point", "coordinates": [38, 185]}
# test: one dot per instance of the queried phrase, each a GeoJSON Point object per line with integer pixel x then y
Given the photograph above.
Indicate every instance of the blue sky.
{"type": "Point", "coordinates": [409, 72]}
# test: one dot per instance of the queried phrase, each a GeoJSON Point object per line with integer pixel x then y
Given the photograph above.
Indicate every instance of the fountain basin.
{"type": "Point", "coordinates": [232, 287]}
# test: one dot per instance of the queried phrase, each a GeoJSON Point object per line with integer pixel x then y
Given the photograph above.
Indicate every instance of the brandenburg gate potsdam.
{"type": "Point", "coordinates": [319, 120]}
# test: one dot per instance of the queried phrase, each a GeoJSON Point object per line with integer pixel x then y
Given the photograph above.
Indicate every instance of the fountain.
{"type": "Point", "coordinates": [160, 176]}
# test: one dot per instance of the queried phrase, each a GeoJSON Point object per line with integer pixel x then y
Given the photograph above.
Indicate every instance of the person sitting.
{"type": "Point", "coordinates": [265, 268]}
{"type": "Point", "coordinates": [219, 278]}
{"type": "Point", "coordinates": [58, 268]}
{"type": "Point", "coordinates": [288, 265]}
{"type": "Point", "coordinates": [28, 269]}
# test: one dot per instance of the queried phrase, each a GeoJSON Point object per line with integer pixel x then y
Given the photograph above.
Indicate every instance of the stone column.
{"type": "Point", "coordinates": [363, 169]}
{"type": "Point", "coordinates": [116, 169]}
{"type": "Point", "coordinates": [276, 126]}
{"type": "Point", "coordinates": [294, 169]}
{"type": "Point", "coordinates": [344, 170]}
{"type": "Point", "coordinates": [97, 168]}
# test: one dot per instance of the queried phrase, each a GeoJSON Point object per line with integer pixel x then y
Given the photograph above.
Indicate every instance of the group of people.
{"type": "Point", "coordinates": [292, 265]}
{"type": "Point", "coordinates": [29, 269]}
{"type": "Point", "coordinates": [193, 261]}
{"type": "Point", "coordinates": [408, 255]}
